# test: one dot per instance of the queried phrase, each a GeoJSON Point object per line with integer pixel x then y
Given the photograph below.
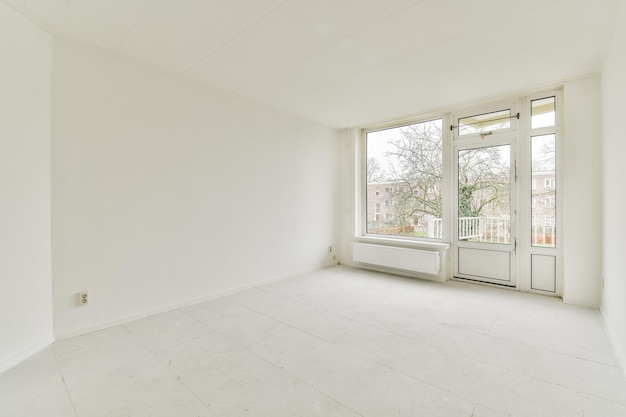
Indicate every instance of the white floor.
{"type": "Point", "coordinates": [338, 342]}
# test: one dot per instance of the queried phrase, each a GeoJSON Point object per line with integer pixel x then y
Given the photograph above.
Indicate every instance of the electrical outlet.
{"type": "Point", "coordinates": [83, 298]}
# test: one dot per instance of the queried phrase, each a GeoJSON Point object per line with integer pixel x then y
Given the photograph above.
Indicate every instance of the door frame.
{"type": "Point", "coordinates": [508, 136]}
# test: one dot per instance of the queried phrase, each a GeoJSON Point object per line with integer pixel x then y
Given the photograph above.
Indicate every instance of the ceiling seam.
{"type": "Point", "coordinates": [292, 63]}
{"type": "Point", "coordinates": [132, 27]}
{"type": "Point", "coordinates": [374, 67]}
{"type": "Point", "coordinates": [241, 32]}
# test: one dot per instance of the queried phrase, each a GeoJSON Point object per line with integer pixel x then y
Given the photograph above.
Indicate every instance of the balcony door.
{"type": "Point", "coordinates": [484, 198]}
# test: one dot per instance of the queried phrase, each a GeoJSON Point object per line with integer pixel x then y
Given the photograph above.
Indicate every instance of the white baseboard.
{"type": "Point", "coordinates": [187, 303]}
{"type": "Point", "coordinates": [25, 354]}
{"type": "Point", "coordinates": [620, 351]}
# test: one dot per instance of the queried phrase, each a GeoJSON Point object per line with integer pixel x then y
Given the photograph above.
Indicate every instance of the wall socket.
{"type": "Point", "coordinates": [83, 298]}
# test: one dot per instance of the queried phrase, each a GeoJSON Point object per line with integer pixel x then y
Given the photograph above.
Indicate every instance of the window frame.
{"type": "Point", "coordinates": [550, 185]}
{"type": "Point", "coordinates": [360, 219]}
{"type": "Point", "coordinates": [523, 101]}
{"type": "Point", "coordinates": [554, 223]}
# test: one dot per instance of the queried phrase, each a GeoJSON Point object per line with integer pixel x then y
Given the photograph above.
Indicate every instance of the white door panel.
{"type": "Point", "coordinates": [482, 264]}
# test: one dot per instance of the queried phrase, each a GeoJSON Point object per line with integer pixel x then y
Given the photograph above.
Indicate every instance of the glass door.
{"type": "Point", "coordinates": [484, 219]}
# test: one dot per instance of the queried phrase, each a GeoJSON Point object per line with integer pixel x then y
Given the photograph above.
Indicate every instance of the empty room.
{"type": "Point", "coordinates": [312, 208]}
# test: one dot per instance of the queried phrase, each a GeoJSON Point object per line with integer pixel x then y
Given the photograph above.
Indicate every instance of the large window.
{"type": "Point", "coordinates": [479, 184]}
{"type": "Point", "coordinates": [406, 163]}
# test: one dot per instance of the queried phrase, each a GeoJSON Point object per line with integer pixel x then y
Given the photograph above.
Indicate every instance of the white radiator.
{"type": "Point", "coordinates": [424, 261]}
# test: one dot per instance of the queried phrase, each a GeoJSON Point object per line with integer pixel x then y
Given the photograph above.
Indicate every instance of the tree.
{"type": "Point", "coordinates": [544, 153]}
{"type": "Point", "coordinates": [414, 167]}
{"type": "Point", "coordinates": [374, 173]}
{"type": "Point", "coordinates": [484, 182]}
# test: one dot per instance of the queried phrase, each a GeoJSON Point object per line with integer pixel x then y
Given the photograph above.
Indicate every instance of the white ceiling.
{"type": "Point", "coordinates": [347, 62]}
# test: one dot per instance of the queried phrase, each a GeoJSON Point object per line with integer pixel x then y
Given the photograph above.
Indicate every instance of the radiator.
{"type": "Point", "coordinates": [415, 260]}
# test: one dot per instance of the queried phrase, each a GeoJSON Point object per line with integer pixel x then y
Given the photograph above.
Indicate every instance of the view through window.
{"type": "Point", "coordinates": [543, 171]}
{"type": "Point", "coordinates": [485, 194]}
{"type": "Point", "coordinates": [404, 175]}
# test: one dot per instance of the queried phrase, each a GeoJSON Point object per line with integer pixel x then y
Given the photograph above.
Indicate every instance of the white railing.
{"type": "Point", "coordinates": [470, 228]}
{"type": "Point", "coordinates": [496, 230]}
{"type": "Point", "coordinates": [485, 229]}
{"type": "Point", "coordinates": [477, 229]}
{"type": "Point", "coordinates": [544, 232]}
{"type": "Point", "coordinates": [434, 228]}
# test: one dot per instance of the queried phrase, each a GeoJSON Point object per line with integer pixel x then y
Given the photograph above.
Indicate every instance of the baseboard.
{"type": "Point", "coordinates": [25, 354]}
{"type": "Point", "coordinates": [187, 303]}
{"type": "Point", "coordinates": [620, 351]}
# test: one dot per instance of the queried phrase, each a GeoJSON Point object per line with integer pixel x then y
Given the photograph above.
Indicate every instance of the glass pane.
{"type": "Point", "coordinates": [404, 172]}
{"type": "Point", "coordinates": [485, 195]}
{"type": "Point", "coordinates": [543, 195]}
{"type": "Point", "coordinates": [543, 113]}
{"type": "Point", "coordinates": [483, 123]}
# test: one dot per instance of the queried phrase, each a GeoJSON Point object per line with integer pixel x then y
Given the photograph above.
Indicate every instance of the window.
{"type": "Point", "coordinates": [409, 159]}
{"type": "Point", "coordinates": [543, 167]}
{"type": "Point", "coordinates": [485, 123]}
{"type": "Point", "coordinates": [543, 113]}
{"type": "Point", "coordinates": [377, 193]}
{"type": "Point", "coordinates": [478, 184]}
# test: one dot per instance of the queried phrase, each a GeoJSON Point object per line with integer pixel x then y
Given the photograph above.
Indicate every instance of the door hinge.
{"type": "Point", "coordinates": [515, 169]}
{"type": "Point", "coordinates": [515, 244]}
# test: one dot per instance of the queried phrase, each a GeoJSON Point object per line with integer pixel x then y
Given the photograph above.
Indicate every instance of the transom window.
{"type": "Point", "coordinates": [485, 123]}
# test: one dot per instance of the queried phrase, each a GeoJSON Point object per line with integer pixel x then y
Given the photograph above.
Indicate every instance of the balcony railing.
{"type": "Point", "coordinates": [496, 230]}
{"type": "Point", "coordinates": [485, 229]}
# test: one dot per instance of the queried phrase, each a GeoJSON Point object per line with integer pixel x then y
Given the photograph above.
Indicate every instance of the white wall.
{"type": "Point", "coordinates": [25, 271]}
{"type": "Point", "coordinates": [614, 151]}
{"type": "Point", "coordinates": [166, 192]}
{"type": "Point", "coordinates": [582, 193]}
